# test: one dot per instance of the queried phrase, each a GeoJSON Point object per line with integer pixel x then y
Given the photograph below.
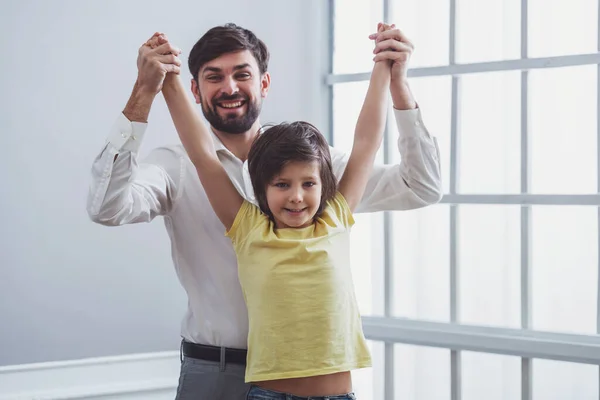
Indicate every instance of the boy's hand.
{"type": "Point", "coordinates": [391, 44]}
{"type": "Point", "coordinates": [159, 55]}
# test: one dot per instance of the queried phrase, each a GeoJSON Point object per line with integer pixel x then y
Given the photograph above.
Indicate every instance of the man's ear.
{"type": "Point", "coordinates": [196, 91]}
{"type": "Point", "coordinates": [265, 84]}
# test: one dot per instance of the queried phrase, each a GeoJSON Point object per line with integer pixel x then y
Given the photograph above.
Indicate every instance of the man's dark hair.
{"type": "Point", "coordinates": [225, 39]}
{"type": "Point", "coordinates": [284, 143]}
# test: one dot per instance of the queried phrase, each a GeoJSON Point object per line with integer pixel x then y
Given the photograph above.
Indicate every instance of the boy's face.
{"type": "Point", "coordinates": [231, 90]}
{"type": "Point", "coordinates": [294, 195]}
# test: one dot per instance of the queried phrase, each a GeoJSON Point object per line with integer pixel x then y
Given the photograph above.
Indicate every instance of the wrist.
{"type": "Point", "coordinates": [402, 97]}
{"type": "Point", "coordinates": [172, 84]}
{"type": "Point", "coordinates": [381, 73]}
{"type": "Point", "coordinates": [170, 81]}
{"type": "Point", "coordinates": [138, 106]}
{"type": "Point", "coordinates": [142, 90]}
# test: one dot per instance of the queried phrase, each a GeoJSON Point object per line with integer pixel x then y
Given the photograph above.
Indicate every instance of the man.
{"type": "Point", "coordinates": [229, 66]}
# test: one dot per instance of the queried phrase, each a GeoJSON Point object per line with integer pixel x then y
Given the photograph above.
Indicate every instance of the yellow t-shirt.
{"type": "Point", "coordinates": [303, 315]}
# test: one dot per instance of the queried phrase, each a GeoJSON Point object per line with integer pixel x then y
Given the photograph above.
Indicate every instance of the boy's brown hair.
{"type": "Point", "coordinates": [284, 143]}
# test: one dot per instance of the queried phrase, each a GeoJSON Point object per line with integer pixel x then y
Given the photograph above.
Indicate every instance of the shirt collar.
{"type": "Point", "coordinates": [219, 146]}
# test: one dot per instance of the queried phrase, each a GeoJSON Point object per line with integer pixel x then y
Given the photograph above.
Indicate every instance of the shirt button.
{"type": "Point", "coordinates": [123, 135]}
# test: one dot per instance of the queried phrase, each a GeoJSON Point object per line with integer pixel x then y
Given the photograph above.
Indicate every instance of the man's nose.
{"type": "Point", "coordinates": [229, 87]}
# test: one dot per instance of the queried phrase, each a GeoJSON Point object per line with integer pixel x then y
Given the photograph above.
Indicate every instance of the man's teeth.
{"type": "Point", "coordinates": [231, 105]}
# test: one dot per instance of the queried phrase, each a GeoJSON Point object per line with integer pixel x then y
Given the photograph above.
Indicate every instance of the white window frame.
{"type": "Point", "coordinates": [524, 342]}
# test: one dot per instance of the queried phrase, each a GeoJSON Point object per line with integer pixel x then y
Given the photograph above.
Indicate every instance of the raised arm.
{"type": "Point", "coordinates": [415, 181]}
{"type": "Point", "coordinates": [198, 142]}
{"type": "Point", "coordinates": [123, 191]}
{"type": "Point", "coordinates": [368, 134]}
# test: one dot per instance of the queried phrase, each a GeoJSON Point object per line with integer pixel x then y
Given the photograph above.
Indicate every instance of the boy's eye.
{"type": "Point", "coordinates": [281, 185]}
{"type": "Point", "coordinates": [243, 75]}
{"type": "Point", "coordinates": [309, 184]}
{"type": "Point", "coordinates": [213, 78]}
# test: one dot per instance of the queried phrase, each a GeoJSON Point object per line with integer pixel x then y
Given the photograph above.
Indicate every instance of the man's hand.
{"type": "Point", "coordinates": [382, 68]}
{"type": "Point", "coordinates": [156, 58]}
{"type": "Point", "coordinates": [391, 44]}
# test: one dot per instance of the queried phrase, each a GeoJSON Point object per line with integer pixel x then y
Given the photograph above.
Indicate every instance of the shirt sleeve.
{"type": "Point", "coordinates": [248, 218]}
{"type": "Point", "coordinates": [339, 207]}
{"type": "Point", "coordinates": [123, 191]}
{"type": "Point", "coordinates": [413, 183]}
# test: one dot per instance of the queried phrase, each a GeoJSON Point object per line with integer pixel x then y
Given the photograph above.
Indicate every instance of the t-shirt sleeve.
{"type": "Point", "coordinates": [339, 207]}
{"type": "Point", "coordinates": [248, 218]}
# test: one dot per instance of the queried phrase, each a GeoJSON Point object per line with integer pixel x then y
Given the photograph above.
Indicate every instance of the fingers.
{"type": "Point", "coordinates": [167, 48]}
{"type": "Point", "coordinates": [167, 55]}
{"type": "Point", "coordinates": [152, 43]}
{"type": "Point", "coordinates": [154, 36]}
{"type": "Point", "coordinates": [172, 68]}
{"type": "Point", "coordinates": [158, 54]}
{"type": "Point", "coordinates": [395, 34]}
{"type": "Point", "coordinates": [159, 40]}
{"type": "Point", "coordinates": [401, 56]}
{"type": "Point", "coordinates": [391, 44]}
{"type": "Point", "coordinates": [382, 27]}
{"type": "Point", "coordinates": [169, 59]}
{"type": "Point", "coordinates": [156, 40]}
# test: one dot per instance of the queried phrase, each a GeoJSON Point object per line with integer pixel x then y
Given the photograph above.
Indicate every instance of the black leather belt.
{"type": "Point", "coordinates": [213, 353]}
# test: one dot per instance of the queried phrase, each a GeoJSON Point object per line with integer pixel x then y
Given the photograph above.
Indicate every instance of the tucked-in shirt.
{"type": "Point", "coordinates": [128, 190]}
{"type": "Point", "coordinates": [297, 283]}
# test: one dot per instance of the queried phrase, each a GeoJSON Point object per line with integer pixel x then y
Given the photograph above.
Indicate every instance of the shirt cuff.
{"type": "Point", "coordinates": [126, 135]}
{"type": "Point", "coordinates": [410, 123]}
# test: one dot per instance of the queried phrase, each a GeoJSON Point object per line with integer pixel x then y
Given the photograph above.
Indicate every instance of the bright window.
{"type": "Point", "coordinates": [510, 90]}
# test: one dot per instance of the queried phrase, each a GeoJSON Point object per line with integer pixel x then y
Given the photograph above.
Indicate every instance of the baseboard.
{"type": "Point", "coordinates": [147, 376]}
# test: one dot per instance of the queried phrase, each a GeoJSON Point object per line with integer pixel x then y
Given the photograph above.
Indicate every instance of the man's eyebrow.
{"type": "Point", "coordinates": [241, 66]}
{"type": "Point", "coordinates": [217, 69]}
{"type": "Point", "coordinates": [211, 69]}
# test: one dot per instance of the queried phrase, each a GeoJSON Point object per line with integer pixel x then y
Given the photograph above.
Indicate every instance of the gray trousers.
{"type": "Point", "coordinates": [208, 380]}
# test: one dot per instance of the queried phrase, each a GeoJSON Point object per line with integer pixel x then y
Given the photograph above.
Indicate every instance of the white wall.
{"type": "Point", "coordinates": [68, 288]}
{"type": "Point", "coordinates": [151, 376]}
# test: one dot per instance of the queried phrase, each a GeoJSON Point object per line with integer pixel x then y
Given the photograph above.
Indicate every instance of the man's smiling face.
{"type": "Point", "coordinates": [231, 90]}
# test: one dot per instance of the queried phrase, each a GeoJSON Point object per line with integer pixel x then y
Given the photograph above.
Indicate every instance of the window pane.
{"type": "Point", "coordinates": [421, 373]}
{"type": "Point", "coordinates": [434, 98]}
{"type": "Point", "coordinates": [365, 252]}
{"type": "Point", "coordinates": [366, 260]}
{"type": "Point", "coordinates": [489, 265]}
{"type": "Point", "coordinates": [354, 21]}
{"type": "Point", "coordinates": [490, 376]}
{"type": "Point", "coordinates": [563, 147]}
{"type": "Point", "coordinates": [490, 140]}
{"type": "Point", "coordinates": [421, 275]}
{"type": "Point", "coordinates": [557, 380]}
{"type": "Point", "coordinates": [564, 268]}
{"type": "Point", "coordinates": [348, 99]}
{"type": "Point", "coordinates": [558, 27]}
{"type": "Point", "coordinates": [368, 383]}
{"type": "Point", "coordinates": [488, 30]}
{"type": "Point", "coordinates": [427, 30]}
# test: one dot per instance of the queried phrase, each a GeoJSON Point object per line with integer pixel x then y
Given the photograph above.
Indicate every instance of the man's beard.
{"type": "Point", "coordinates": [232, 124]}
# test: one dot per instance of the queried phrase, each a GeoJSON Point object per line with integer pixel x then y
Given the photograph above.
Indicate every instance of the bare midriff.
{"type": "Point", "coordinates": [321, 385]}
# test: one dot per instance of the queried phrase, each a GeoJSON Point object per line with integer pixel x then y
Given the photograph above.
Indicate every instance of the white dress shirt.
{"type": "Point", "coordinates": [165, 183]}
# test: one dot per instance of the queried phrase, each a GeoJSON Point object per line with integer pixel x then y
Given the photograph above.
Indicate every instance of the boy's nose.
{"type": "Point", "coordinates": [296, 196]}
